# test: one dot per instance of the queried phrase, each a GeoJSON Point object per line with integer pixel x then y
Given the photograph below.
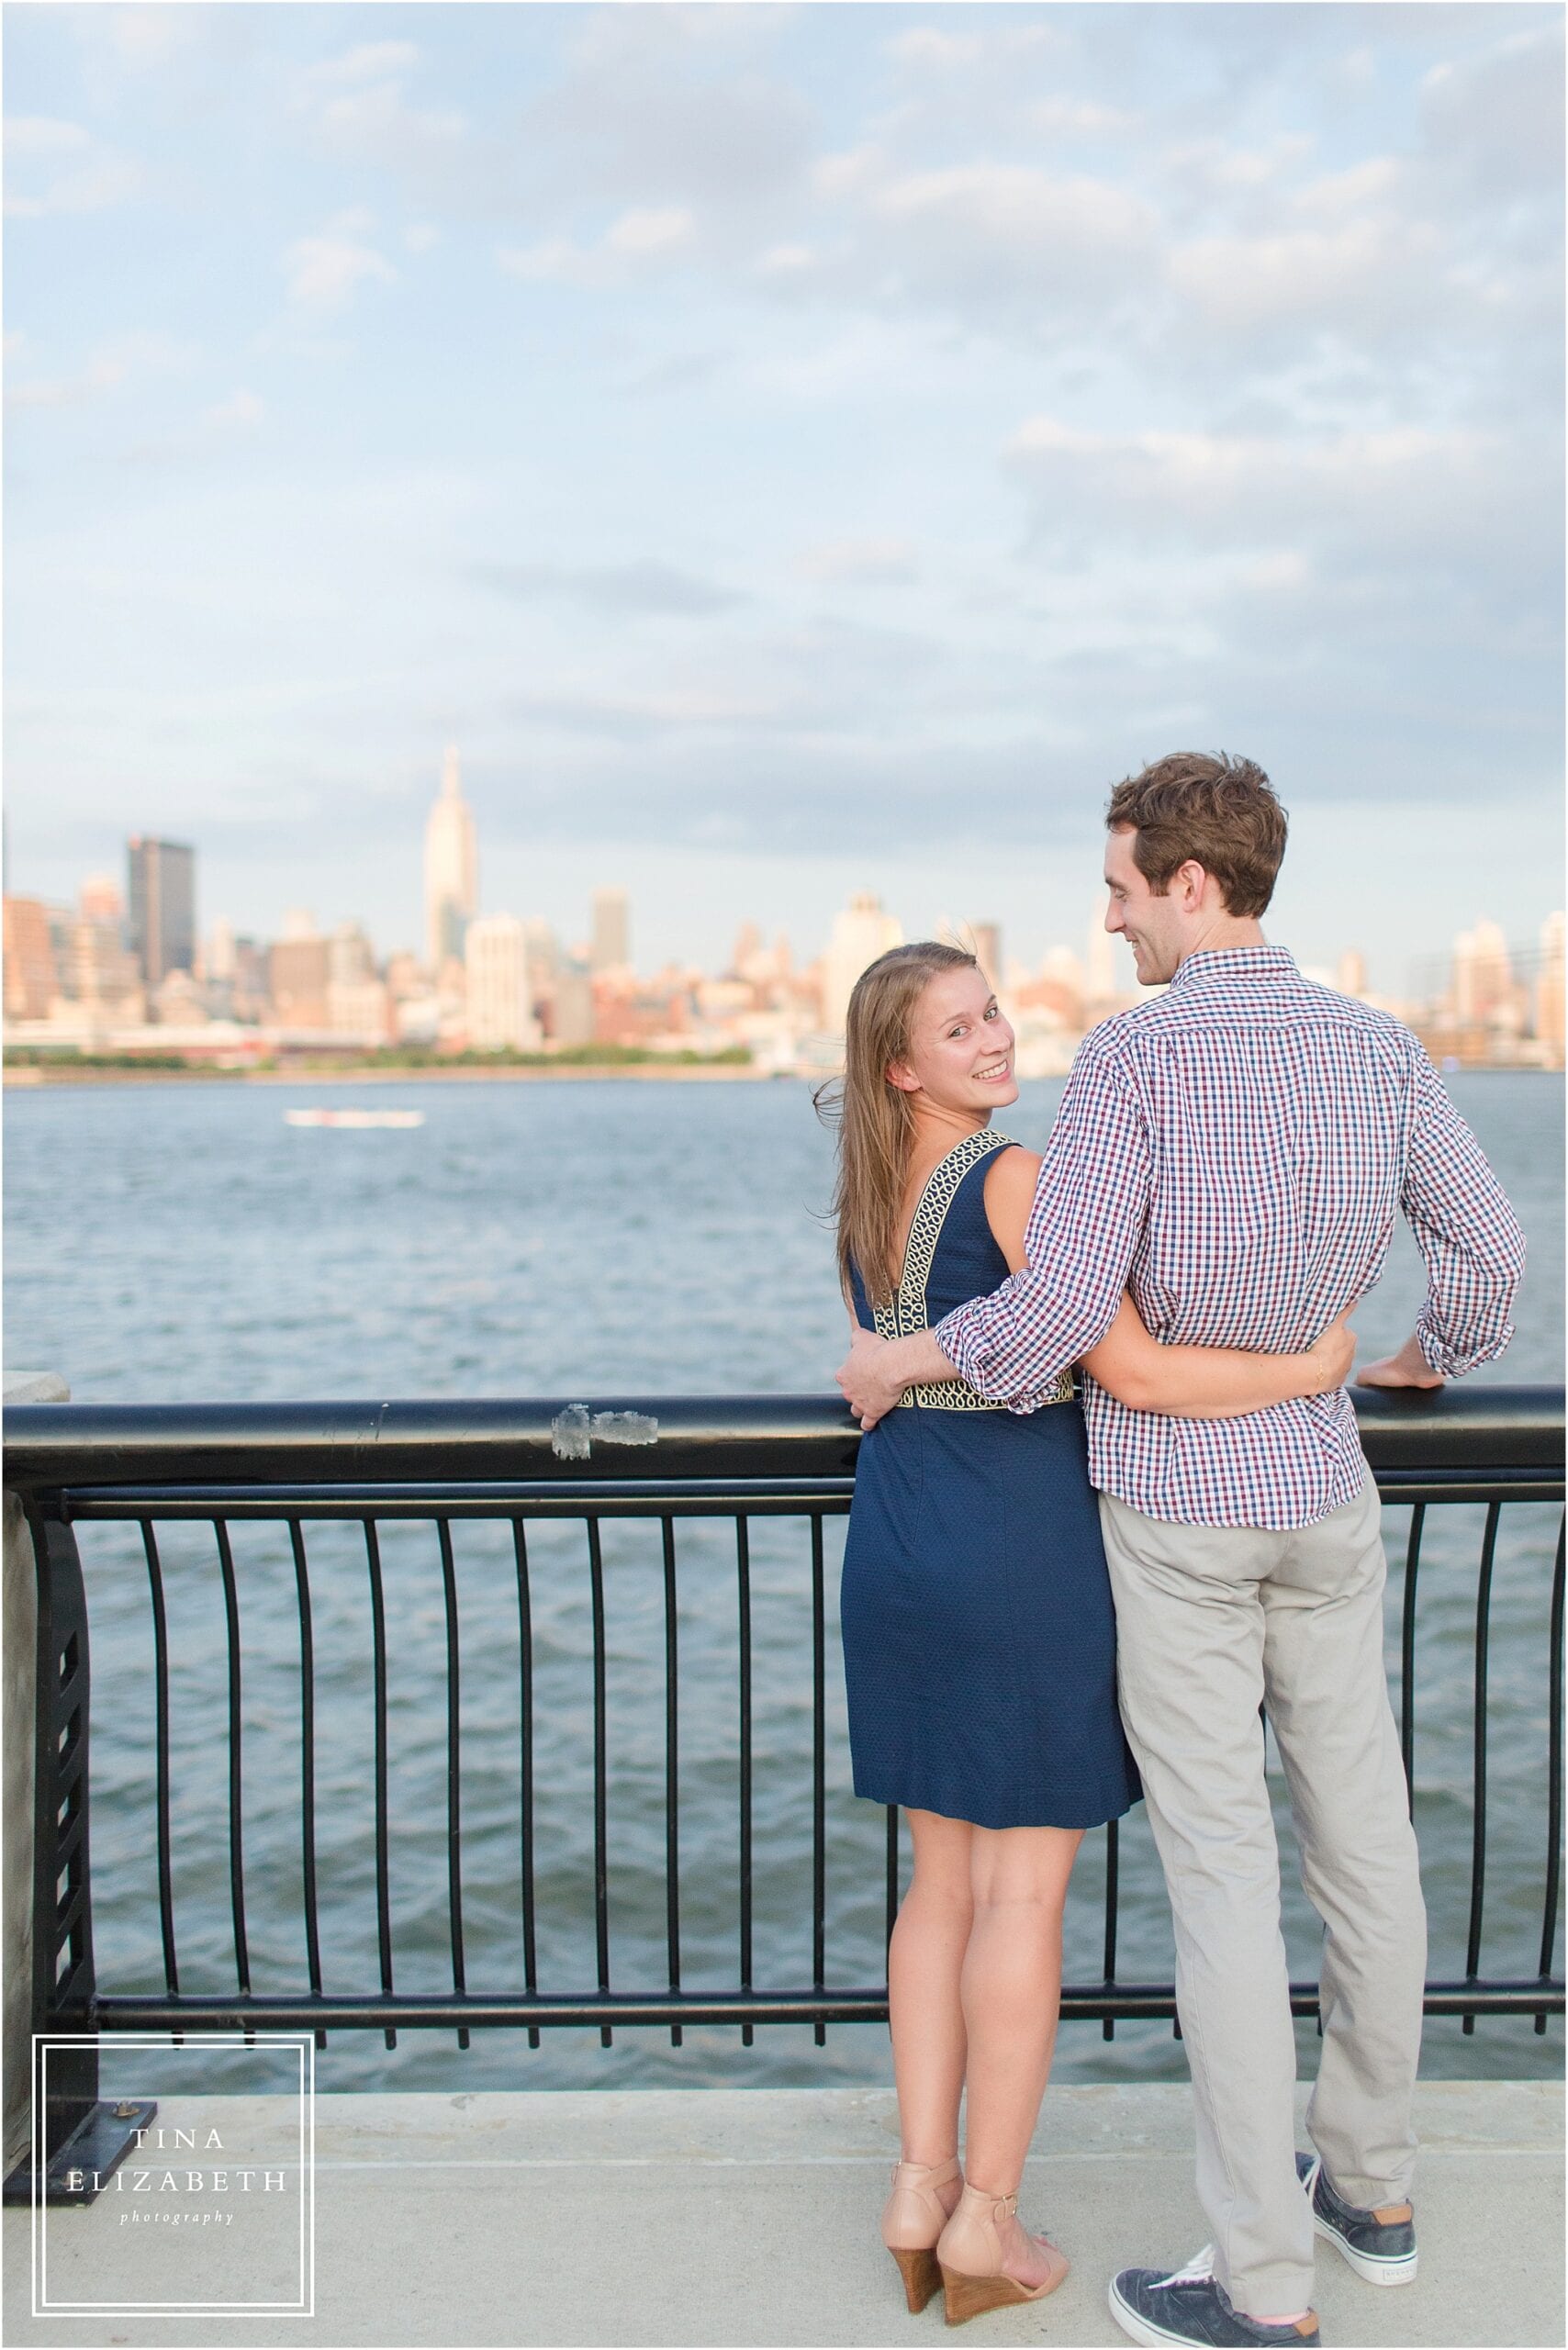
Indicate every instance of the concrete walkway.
{"type": "Point", "coordinates": [750, 2217]}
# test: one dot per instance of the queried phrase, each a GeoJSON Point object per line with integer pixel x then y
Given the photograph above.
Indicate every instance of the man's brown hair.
{"type": "Point", "coordinates": [1221, 812]}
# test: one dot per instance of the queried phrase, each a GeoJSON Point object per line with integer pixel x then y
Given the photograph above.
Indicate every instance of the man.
{"type": "Point", "coordinates": [1235, 1152]}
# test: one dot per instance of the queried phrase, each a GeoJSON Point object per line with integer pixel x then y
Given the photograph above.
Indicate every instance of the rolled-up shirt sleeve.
{"type": "Point", "coordinates": [1089, 1209]}
{"type": "Point", "coordinates": [1467, 1231]}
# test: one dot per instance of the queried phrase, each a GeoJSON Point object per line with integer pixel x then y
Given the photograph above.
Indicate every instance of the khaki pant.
{"type": "Point", "coordinates": [1211, 1621]}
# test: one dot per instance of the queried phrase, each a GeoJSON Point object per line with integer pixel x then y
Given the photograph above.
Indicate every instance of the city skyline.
{"type": "Point", "coordinates": [791, 451]}
{"type": "Point", "coordinates": [451, 840]}
{"type": "Point", "coordinates": [131, 966]}
{"type": "Point", "coordinates": [598, 934]}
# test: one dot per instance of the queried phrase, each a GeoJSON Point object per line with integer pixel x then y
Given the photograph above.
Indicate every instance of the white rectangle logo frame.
{"type": "Point", "coordinates": [302, 2044]}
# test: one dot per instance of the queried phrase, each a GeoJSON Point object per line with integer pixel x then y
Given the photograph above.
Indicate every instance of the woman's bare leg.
{"type": "Point", "coordinates": [926, 2014]}
{"type": "Point", "coordinates": [1010, 1990]}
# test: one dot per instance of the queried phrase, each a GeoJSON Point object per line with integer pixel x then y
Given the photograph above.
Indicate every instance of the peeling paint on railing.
{"type": "Point", "coordinates": [572, 1431]}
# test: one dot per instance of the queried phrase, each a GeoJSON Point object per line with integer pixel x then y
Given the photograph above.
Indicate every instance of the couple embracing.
{"type": "Point", "coordinates": [1048, 1612]}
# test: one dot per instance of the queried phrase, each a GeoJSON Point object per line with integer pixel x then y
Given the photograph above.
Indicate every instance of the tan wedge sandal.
{"type": "Point", "coordinates": [970, 2256]}
{"type": "Point", "coordinates": [913, 2219]}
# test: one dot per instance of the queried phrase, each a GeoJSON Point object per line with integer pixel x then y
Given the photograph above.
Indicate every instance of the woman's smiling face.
{"type": "Point", "coordinates": [960, 1047]}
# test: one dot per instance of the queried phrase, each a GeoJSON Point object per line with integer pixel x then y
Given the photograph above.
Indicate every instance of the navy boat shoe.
{"type": "Point", "coordinates": [1192, 2305]}
{"type": "Point", "coordinates": [1379, 2244]}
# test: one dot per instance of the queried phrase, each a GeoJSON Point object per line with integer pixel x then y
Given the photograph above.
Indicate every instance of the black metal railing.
{"type": "Point", "coordinates": [525, 1465]}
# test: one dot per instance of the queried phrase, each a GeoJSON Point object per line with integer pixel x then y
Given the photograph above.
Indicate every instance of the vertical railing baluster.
{"type": "Point", "coordinates": [378, 1682]}
{"type": "Point", "coordinates": [600, 1775]}
{"type": "Point", "coordinates": [1553, 1774]}
{"type": "Point", "coordinates": [892, 1876]}
{"type": "Point", "coordinates": [743, 1594]}
{"type": "Point", "coordinates": [1407, 1654]}
{"type": "Point", "coordinates": [526, 1672]}
{"type": "Point", "coordinates": [236, 1819]}
{"type": "Point", "coordinates": [1113, 1865]}
{"type": "Point", "coordinates": [160, 1701]}
{"type": "Point", "coordinates": [672, 1772]}
{"type": "Point", "coordinates": [1478, 1768]}
{"type": "Point", "coordinates": [818, 1772]}
{"type": "Point", "coordinates": [307, 1760]}
{"type": "Point", "coordinates": [454, 1768]}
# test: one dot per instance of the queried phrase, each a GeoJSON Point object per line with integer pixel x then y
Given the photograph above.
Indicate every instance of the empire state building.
{"type": "Point", "coordinates": [452, 871]}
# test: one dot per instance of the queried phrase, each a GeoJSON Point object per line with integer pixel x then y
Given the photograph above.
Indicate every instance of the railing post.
{"type": "Point", "coordinates": [65, 2137]}
{"type": "Point", "coordinates": [20, 1631]}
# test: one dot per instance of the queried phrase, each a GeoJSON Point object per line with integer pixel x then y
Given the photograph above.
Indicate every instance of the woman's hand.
{"type": "Point", "coordinates": [1330, 1355]}
{"type": "Point", "coordinates": [1409, 1367]}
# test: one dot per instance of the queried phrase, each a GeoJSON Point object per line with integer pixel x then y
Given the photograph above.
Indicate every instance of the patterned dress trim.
{"type": "Point", "coordinates": [905, 1312]}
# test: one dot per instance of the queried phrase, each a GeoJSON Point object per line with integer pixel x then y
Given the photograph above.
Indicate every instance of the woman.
{"type": "Point", "coordinates": [978, 1639]}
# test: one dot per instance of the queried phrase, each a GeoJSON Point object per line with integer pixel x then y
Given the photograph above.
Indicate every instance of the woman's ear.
{"type": "Point", "coordinates": [900, 1075]}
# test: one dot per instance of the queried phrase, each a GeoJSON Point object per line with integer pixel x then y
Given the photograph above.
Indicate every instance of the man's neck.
{"type": "Point", "coordinates": [1227, 935]}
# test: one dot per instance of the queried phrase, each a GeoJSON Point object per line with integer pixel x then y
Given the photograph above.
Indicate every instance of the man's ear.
{"type": "Point", "coordinates": [898, 1074]}
{"type": "Point", "coordinates": [1191, 878]}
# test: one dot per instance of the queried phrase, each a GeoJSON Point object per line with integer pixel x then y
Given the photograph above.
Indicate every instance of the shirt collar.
{"type": "Point", "coordinates": [1232, 966]}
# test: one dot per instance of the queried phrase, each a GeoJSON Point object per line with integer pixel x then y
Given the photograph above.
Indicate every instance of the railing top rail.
{"type": "Point", "coordinates": [1492, 1430]}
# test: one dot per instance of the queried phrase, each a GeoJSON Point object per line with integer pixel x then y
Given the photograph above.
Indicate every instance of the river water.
{"type": "Point", "coordinates": [578, 1239]}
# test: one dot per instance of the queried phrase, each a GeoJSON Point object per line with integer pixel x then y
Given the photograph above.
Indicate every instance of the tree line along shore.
{"type": "Point", "coordinates": [32, 1067]}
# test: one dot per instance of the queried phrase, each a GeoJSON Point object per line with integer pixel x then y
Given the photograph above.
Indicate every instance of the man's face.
{"type": "Point", "coordinates": [1151, 925]}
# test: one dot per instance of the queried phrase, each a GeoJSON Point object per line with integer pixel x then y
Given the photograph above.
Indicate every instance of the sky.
{"type": "Point", "coordinates": [788, 450]}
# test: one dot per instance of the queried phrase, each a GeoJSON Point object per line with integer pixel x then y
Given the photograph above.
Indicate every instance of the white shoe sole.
{"type": "Point", "coordinates": [1399, 2270]}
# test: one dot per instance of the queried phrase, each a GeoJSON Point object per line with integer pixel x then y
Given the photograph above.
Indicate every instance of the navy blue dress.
{"type": "Point", "coordinates": [980, 1645]}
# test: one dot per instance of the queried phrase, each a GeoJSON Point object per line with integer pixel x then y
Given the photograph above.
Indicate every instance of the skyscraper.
{"type": "Point", "coordinates": [30, 976]}
{"type": "Point", "coordinates": [161, 902]}
{"type": "Point", "coordinates": [452, 871]}
{"type": "Point", "coordinates": [612, 947]}
{"type": "Point", "coordinates": [1549, 987]}
{"type": "Point", "coordinates": [986, 936]}
{"type": "Point", "coordinates": [860, 933]}
{"type": "Point", "coordinates": [1100, 965]}
{"type": "Point", "coordinates": [1483, 975]}
{"type": "Point", "coordinates": [500, 1005]}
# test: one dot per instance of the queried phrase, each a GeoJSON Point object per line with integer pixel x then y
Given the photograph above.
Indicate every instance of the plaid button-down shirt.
{"type": "Point", "coordinates": [1235, 1152]}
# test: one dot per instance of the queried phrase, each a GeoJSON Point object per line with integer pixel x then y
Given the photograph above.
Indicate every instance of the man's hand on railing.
{"type": "Point", "coordinates": [1409, 1367]}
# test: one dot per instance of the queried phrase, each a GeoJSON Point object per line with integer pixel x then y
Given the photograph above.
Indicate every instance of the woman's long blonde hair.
{"type": "Point", "coordinates": [875, 1121]}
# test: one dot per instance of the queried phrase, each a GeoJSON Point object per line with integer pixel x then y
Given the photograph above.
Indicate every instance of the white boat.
{"type": "Point", "coordinates": [355, 1117]}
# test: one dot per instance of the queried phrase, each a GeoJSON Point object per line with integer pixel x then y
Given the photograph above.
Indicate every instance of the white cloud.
{"type": "Point", "coordinates": [654, 112]}
{"type": "Point", "coordinates": [1494, 123]}
{"type": "Point", "coordinates": [1219, 169]}
{"type": "Point", "coordinates": [77, 174]}
{"type": "Point", "coordinates": [35, 134]}
{"type": "Point", "coordinates": [1397, 500]}
{"type": "Point", "coordinates": [241, 410]}
{"type": "Point", "coordinates": [653, 234]}
{"type": "Point", "coordinates": [1003, 246]}
{"type": "Point", "coordinates": [787, 260]}
{"type": "Point", "coordinates": [1379, 177]}
{"type": "Point", "coordinates": [109, 365]}
{"type": "Point", "coordinates": [1367, 273]}
{"type": "Point", "coordinates": [651, 231]}
{"type": "Point", "coordinates": [370, 62]}
{"type": "Point", "coordinates": [924, 46]}
{"type": "Point", "coordinates": [869, 562]}
{"type": "Point", "coordinates": [852, 172]}
{"type": "Point", "coordinates": [144, 36]}
{"type": "Point", "coordinates": [1014, 206]}
{"type": "Point", "coordinates": [357, 106]}
{"type": "Point", "coordinates": [1081, 118]}
{"type": "Point", "coordinates": [421, 237]}
{"type": "Point", "coordinates": [323, 271]}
